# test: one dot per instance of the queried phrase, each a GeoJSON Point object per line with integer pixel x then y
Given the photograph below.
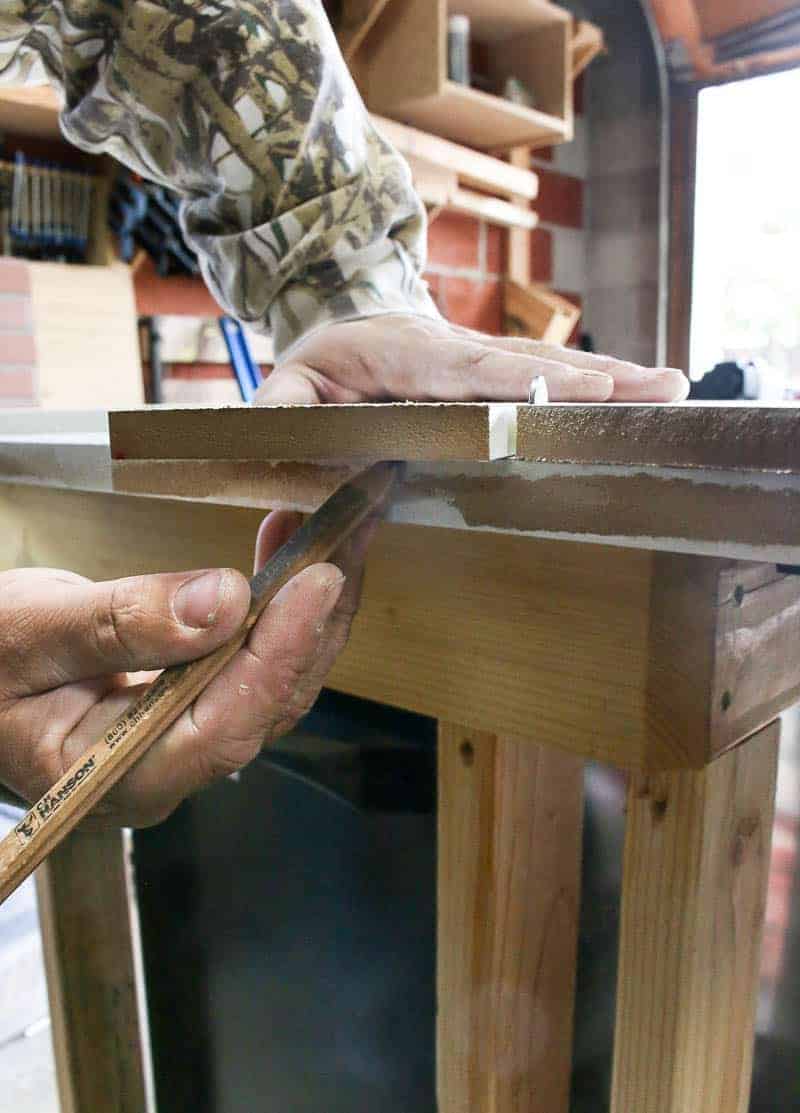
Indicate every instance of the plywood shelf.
{"type": "Point", "coordinates": [482, 120]}
{"type": "Point", "coordinates": [30, 110]}
{"type": "Point", "coordinates": [402, 69]}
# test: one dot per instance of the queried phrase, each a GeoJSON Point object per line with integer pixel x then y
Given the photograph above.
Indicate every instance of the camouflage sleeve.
{"type": "Point", "coordinates": [300, 213]}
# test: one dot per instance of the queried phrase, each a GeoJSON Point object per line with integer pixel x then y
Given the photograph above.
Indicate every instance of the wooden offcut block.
{"type": "Point", "coordinates": [390, 431]}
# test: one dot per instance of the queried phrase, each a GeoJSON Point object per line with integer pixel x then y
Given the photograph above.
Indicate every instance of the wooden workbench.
{"type": "Point", "coordinates": [624, 588]}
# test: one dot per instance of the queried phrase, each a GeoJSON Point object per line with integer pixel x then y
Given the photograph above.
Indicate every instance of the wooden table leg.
{"type": "Point", "coordinates": [90, 941]}
{"type": "Point", "coordinates": [510, 824]}
{"type": "Point", "coordinates": [694, 887]}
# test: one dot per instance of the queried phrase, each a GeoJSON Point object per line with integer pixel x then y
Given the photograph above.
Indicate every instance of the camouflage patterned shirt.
{"type": "Point", "coordinates": [300, 213]}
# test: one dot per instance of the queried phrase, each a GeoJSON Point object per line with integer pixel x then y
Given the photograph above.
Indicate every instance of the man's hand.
{"type": "Point", "coordinates": [420, 359]}
{"type": "Point", "coordinates": [67, 646]}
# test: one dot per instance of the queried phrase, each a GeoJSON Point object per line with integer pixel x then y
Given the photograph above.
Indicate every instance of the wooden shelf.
{"type": "Point", "coordinates": [470, 116]}
{"type": "Point", "coordinates": [402, 70]}
{"type": "Point", "coordinates": [449, 176]}
{"type": "Point", "coordinates": [30, 110]}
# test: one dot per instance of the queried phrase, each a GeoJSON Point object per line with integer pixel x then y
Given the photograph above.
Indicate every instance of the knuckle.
{"type": "Point", "coordinates": [225, 757]}
{"type": "Point", "coordinates": [115, 620]}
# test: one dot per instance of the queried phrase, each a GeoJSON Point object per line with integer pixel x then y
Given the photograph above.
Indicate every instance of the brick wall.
{"type": "Point", "coordinates": [467, 257]}
{"type": "Point", "coordinates": [17, 345]}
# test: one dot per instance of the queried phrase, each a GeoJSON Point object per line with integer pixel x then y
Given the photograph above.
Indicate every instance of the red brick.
{"type": "Point", "coordinates": [453, 241]}
{"type": "Point", "coordinates": [474, 304]}
{"type": "Point", "coordinates": [202, 371]}
{"type": "Point", "coordinates": [15, 311]}
{"type": "Point", "coordinates": [15, 277]}
{"type": "Point", "coordinates": [560, 199]}
{"type": "Point", "coordinates": [179, 294]}
{"type": "Point", "coordinates": [16, 382]}
{"type": "Point", "coordinates": [17, 347]}
{"type": "Point", "coordinates": [434, 288]}
{"type": "Point", "coordinates": [496, 249]}
{"type": "Point", "coordinates": [541, 255]}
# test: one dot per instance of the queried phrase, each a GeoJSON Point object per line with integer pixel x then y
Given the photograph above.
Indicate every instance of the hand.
{"type": "Point", "coordinates": [420, 359]}
{"type": "Point", "coordinates": [67, 645]}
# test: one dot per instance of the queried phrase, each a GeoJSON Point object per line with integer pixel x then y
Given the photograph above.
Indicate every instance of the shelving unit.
{"type": "Point", "coordinates": [403, 73]}
{"type": "Point", "coordinates": [450, 176]}
{"type": "Point", "coordinates": [31, 112]}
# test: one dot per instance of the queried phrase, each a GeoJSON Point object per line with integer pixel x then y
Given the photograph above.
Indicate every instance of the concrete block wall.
{"type": "Point", "coordinates": [623, 184]}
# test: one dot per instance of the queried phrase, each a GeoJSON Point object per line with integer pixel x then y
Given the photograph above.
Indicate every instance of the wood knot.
{"type": "Point", "coordinates": [467, 751]}
{"type": "Point", "coordinates": [655, 791]}
{"type": "Point", "coordinates": [746, 828]}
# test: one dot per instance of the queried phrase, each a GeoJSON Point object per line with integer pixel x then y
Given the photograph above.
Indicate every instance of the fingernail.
{"type": "Point", "coordinates": [197, 601]}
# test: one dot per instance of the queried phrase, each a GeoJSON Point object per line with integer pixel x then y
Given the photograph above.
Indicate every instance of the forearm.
{"type": "Point", "coordinates": [299, 212]}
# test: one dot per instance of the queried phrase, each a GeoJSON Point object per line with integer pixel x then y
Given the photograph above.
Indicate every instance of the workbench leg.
{"type": "Point", "coordinates": [90, 941]}
{"type": "Point", "coordinates": [510, 824]}
{"type": "Point", "coordinates": [697, 854]}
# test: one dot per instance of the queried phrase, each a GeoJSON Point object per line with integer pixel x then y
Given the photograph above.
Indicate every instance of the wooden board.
{"type": "Point", "coordinates": [471, 116]}
{"type": "Point", "coordinates": [697, 852]}
{"type": "Point", "coordinates": [509, 856]}
{"type": "Point", "coordinates": [535, 311]}
{"type": "Point", "coordinates": [391, 431]}
{"type": "Point", "coordinates": [472, 167]}
{"type": "Point", "coordinates": [690, 435]}
{"type": "Point", "coordinates": [30, 110]}
{"type": "Point", "coordinates": [743, 515]}
{"type": "Point", "coordinates": [573, 646]}
{"type": "Point", "coordinates": [87, 345]}
{"type": "Point", "coordinates": [94, 978]}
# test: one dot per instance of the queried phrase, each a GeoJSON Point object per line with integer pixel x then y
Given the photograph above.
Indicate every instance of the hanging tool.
{"type": "Point", "coordinates": [99, 768]}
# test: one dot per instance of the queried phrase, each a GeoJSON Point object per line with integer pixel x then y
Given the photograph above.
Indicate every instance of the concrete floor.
{"type": "Point", "coordinates": [27, 1070]}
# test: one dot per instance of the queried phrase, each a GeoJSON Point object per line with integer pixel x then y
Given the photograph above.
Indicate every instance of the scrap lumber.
{"type": "Point", "coordinates": [384, 431]}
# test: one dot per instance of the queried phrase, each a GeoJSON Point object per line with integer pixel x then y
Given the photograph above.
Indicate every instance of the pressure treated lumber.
{"type": "Point", "coordinates": [390, 431]}
{"type": "Point", "coordinates": [509, 853]}
{"type": "Point", "coordinates": [688, 435]}
{"type": "Point", "coordinates": [90, 935]}
{"type": "Point", "coordinates": [697, 855]}
{"type": "Point", "coordinates": [610, 653]}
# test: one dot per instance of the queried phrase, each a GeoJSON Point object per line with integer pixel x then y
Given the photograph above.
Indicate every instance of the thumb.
{"type": "Point", "coordinates": [290, 384]}
{"type": "Point", "coordinates": [67, 632]}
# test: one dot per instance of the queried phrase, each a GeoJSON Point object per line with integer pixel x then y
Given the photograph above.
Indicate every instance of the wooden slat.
{"type": "Point", "coordinates": [358, 19]}
{"type": "Point", "coordinates": [587, 42]}
{"type": "Point", "coordinates": [472, 167]}
{"type": "Point", "coordinates": [510, 818]}
{"type": "Point", "coordinates": [694, 885]}
{"type": "Point", "coordinates": [519, 243]}
{"type": "Point", "coordinates": [391, 431]}
{"type": "Point", "coordinates": [89, 934]}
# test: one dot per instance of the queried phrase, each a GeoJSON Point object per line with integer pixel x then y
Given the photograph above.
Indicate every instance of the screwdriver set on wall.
{"type": "Point", "coordinates": [45, 211]}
